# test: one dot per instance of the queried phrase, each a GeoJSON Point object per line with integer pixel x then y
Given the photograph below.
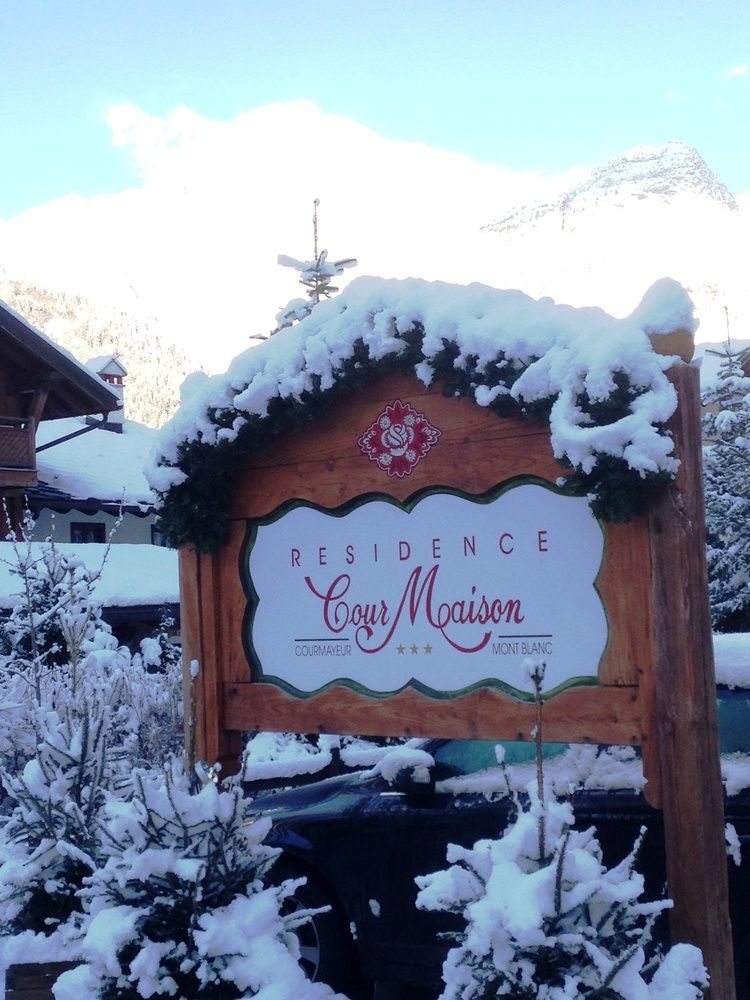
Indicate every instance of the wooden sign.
{"type": "Point", "coordinates": [388, 571]}
{"type": "Point", "coordinates": [477, 508]}
{"type": "Point", "coordinates": [446, 593]}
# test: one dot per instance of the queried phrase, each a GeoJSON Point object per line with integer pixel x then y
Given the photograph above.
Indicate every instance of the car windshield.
{"type": "Point", "coordinates": [456, 758]}
{"type": "Point", "coordinates": [459, 758]}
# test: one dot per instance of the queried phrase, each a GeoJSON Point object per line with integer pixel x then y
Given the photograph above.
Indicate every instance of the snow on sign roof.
{"type": "Point", "coordinates": [529, 351]}
{"type": "Point", "coordinates": [99, 464]}
{"type": "Point", "coordinates": [133, 574]}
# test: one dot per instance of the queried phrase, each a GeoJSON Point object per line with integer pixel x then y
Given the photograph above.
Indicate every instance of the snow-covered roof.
{"type": "Point", "coordinates": [132, 575]}
{"type": "Point", "coordinates": [106, 364]}
{"type": "Point", "coordinates": [74, 390]}
{"type": "Point", "coordinates": [528, 351]}
{"type": "Point", "coordinates": [100, 464]}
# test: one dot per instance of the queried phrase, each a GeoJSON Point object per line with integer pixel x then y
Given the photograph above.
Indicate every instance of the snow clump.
{"type": "Point", "coordinates": [549, 352]}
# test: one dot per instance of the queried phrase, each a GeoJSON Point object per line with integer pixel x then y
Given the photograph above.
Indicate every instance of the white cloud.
{"type": "Point", "coordinates": [737, 71]}
{"type": "Point", "coordinates": [197, 240]}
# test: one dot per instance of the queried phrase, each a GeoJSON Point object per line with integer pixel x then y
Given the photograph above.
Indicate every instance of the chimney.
{"type": "Point", "coordinates": [113, 372]}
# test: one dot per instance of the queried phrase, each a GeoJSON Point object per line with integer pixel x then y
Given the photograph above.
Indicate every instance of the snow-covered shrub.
{"type": "Point", "coordinates": [49, 842]}
{"type": "Point", "coordinates": [55, 612]}
{"type": "Point", "coordinates": [551, 927]}
{"type": "Point", "coordinates": [545, 918]}
{"type": "Point", "coordinates": [77, 711]}
{"type": "Point", "coordinates": [58, 654]}
{"type": "Point", "coordinates": [153, 700]}
{"type": "Point", "coordinates": [181, 906]}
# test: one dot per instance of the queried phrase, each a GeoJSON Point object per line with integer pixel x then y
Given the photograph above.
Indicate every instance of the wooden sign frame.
{"type": "Point", "coordinates": [656, 680]}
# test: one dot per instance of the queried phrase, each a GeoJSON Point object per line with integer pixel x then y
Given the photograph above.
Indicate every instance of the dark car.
{"type": "Point", "coordinates": [361, 840]}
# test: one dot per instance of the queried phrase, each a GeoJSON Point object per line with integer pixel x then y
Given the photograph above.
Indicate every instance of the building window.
{"type": "Point", "coordinates": [158, 537]}
{"type": "Point", "coordinates": [87, 531]}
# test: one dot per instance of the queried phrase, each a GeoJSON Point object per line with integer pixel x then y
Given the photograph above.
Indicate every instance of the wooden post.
{"type": "Point", "coordinates": [206, 737]}
{"type": "Point", "coordinates": [685, 704]}
{"type": "Point", "coordinates": [191, 650]}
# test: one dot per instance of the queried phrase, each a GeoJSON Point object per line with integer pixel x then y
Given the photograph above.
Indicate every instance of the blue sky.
{"type": "Point", "coordinates": [537, 85]}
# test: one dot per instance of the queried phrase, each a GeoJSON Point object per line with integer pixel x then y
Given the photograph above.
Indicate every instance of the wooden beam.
{"type": "Point", "coordinates": [190, 612]}
{"type": "Point", "coordinates": [685, 711]}
{"type": "Point", "coordinates": [37, 404]}
{"type": "Point", "coordinates": [582, 714]}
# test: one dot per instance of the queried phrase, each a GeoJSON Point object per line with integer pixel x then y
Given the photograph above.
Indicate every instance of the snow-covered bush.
{"type": "Point", "coordinates": [58, 654]}
{"type": "Point", "coordinates": [55, 613]}
{"type": "Point", "coordinates": [546, 919]}
{"type": "Point", "coordinates": [151, 705]}
{"type": "Point", "coordinates": [77, 711]}
{"type": "Point", "coordinates": [181, 907]}
{"type": "Point", "coordinates": [551, 927]}
{"type": "Point", "coordinates": [50, 841]}
{"type": "Point", "coordinates": [160, 888]}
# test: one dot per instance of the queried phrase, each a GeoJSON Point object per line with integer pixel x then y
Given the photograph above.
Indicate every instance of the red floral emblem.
{"type": "Point", "coordinates": [398, 439]}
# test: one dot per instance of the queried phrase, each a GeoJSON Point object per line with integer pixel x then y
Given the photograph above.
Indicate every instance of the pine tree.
{"type": "Point", "coordinates": [726, 427]}
{"type": "Point", "coordinates": [185, 886]}
{"type": "Point", "coordinates": [49, 843]}
{"type": "Point", "coordinates": [315, 276]}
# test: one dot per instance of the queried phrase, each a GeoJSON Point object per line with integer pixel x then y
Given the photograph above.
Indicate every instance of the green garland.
{"type": "Point", "coordinates": [196, 510]}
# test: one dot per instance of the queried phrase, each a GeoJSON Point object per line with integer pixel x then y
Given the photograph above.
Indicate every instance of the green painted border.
{"type": "Point", "coordinates": [407, 505]}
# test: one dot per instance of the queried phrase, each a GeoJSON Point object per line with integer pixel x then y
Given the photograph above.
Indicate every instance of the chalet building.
{"type": "Point", "coordinates": [111, 370]}
{"type": "Point", "coordinates": [90, 479]}
{"type": "Point", "coordinates": [60, 459]}
{"type": "Point", "coordinates": [39, 381]}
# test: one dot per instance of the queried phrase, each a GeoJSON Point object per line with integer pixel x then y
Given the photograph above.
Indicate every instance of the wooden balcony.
{"type": "Point", "coordinates": [17, 452]}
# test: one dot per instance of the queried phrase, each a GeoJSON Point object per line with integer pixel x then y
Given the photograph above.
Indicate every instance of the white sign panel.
{"type": "Point", "coordinates": [450, 594]}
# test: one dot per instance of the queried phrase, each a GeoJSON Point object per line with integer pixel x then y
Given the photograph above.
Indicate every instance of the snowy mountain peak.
{"type": "Point", "coordinates": [657, 170]}
{"type": "Point", "coordinates": [660, 173]}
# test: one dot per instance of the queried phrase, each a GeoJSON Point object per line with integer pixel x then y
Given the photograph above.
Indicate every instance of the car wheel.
{"type": "Point", "coordinates": [327, 952]}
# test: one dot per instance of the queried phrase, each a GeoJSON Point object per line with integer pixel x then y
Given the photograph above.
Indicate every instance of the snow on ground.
{"type": "Point", "coordinates": [132, 574]}
{"type": "Point", "coordinates": [557, 351]}
{"type": "Point", "coordinates": [100, 464]}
